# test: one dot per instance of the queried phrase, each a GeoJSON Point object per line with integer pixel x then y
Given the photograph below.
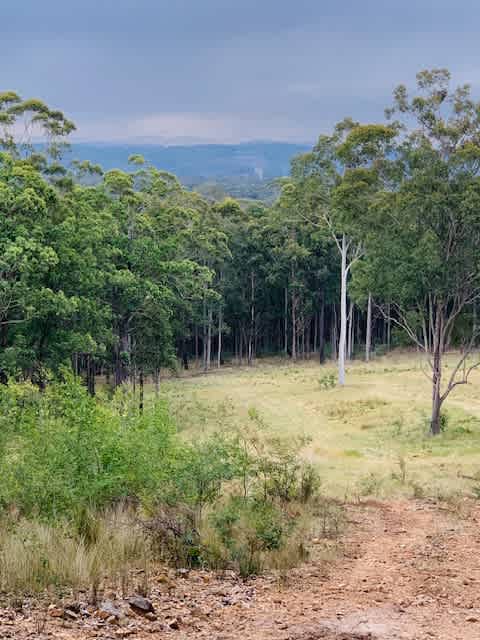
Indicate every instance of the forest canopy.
{"type": "Point", "coordinates": [372, 243]}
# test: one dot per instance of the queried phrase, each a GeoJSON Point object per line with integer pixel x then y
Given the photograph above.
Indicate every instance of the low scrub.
{"type": "Point", "coordinates": [91, 488]}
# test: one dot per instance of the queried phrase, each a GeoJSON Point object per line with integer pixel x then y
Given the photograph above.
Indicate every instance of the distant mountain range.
{"type": "Point", "coordinates": [259, 161]}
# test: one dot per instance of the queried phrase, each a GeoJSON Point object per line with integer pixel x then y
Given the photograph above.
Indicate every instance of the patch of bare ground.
{"type": "Point", "coordinates": [409, 570]}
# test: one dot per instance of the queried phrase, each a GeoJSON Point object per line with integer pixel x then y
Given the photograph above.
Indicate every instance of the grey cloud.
{"type": "Point", "coordinates": [224, 69]}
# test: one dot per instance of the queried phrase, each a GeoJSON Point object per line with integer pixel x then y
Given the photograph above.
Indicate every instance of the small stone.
{"type": "Point", "coordinates": [68, 613]}
{"type": "Point", "coordinates": [183, 573]}
{"type": "Point", "coordinates": [141, 605]}
{"type": "Point", "coordinates": [472, 619]}
{"type": "Point", "coordinates": [150, 616]}
{"type": "Point", "coordinates": [109, 610]}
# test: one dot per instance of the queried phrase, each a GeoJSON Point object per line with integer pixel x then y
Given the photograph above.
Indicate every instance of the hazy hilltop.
{"type": "Point", "coordinates": [241, 170]}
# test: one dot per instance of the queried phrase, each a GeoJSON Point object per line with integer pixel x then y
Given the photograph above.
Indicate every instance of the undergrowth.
{"type": "Point", "coordinates": [91, 488]}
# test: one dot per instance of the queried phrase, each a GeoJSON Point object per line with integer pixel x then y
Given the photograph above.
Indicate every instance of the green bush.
{"type": "Point", "coordinates": [248, 529]}
{"type": "Point", "coordinates": [234, 498]}
{"type": "Point", "coordinates": [61, 450]}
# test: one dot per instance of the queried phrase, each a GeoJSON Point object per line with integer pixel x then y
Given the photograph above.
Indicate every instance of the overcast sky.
{"type": "Point", "coordinates": [228, 70]}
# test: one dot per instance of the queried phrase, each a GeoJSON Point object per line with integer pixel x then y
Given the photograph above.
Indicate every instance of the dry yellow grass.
{"type": "Point", "coordinates": [370, 437]}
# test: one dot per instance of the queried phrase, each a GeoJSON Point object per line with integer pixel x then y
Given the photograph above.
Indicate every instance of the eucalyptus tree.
{"type": "Point", "coordinates": [338, 180]}
{"type": "Point", "coordinates": [422, 231]}
{"type": "Point", "coordinates": [24, 121]}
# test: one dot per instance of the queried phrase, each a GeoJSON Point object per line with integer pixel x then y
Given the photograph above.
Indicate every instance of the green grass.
{"type": "Point", "coordinates": [359, 433]}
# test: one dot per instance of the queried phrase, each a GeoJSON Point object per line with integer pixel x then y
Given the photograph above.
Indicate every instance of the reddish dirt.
{"type": "Point", "coordinates": [409, 570]}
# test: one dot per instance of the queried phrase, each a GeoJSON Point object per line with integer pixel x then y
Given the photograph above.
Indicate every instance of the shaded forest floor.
{"type": "Point", "coordinates": [404, 570]}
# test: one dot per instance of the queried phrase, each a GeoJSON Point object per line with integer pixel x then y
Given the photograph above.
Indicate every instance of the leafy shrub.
{"type": "Point", "coordinates": [235, 498]}
{"type": "Point", "coordinates": [247, 529]}
{"type": "Point", "coordinates": [61, 451]}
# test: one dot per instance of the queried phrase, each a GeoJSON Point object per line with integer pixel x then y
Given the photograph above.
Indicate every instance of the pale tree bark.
{"type": "Point", "coordinates": [343, 312]}
{"type": "Point", "coordinates": [349, 254]}
{"type": "Point", "coordinates": [368, 337]}
{"type": "Point", "coordinates": [350, 325]}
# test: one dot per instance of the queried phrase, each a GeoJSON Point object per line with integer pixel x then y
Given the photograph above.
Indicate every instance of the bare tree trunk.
{"type": "Point", "coordinates": [303, 337]}
{"type": "Point", "coordinates": [220, 328]}
{"type": "Point", "coordinates": [204, 337]}
{"type": "Point", "coordinates": [389, 327]}
{"type": "Point", "coordinates": [294, 326]}
{"type": "Point", "coordinates": [141, 385]}
{"type": "Point", "coordinates": [321, 331]}
{"type": "Point", "coordinates": [368, 337]}
{"type": "Point", "coordinates": [343, 313]}
{"type": "Point", "coordinates": [315, 332]}
{"type": "Point", "coordinates": [350, 331]}
{"type": "Point", "coordinates": [334, 333]}
{"type": "Point", "coordinates": [90, 375]}
{"type": "Point", "coordinates": [196, 346]}
{"type": "Point", "coordinates": [435, 425]}
{"type": "Point", "coordinates": [209, 340]}
{"type": "Point", "coordinates": [122, 357]}
{"type": "Point", "coordinates": [157, 382]}
{"type": "Point", "coordinates": [240, 345]}
{"type": "Point", "coordinates": [286, 323]}
{"type": "Point", "coordinates": [251, 333]}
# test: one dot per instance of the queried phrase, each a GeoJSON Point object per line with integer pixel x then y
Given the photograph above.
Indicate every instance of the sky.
{"type": "Point", "coordinates": [227, 71]}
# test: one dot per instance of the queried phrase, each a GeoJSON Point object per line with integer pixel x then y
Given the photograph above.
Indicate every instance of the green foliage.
{"type": "Point", "coordinates": [61, 452]}
{"type": "Point", "coordinates": [66, 458]}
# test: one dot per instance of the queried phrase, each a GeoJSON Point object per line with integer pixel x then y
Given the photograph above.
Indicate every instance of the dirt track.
{"type": "Point", "coordinates": [410, 570]}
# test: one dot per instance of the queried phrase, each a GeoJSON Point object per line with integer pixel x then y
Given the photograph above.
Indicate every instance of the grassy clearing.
{"type": "Point", "coordinates": [370, 437]}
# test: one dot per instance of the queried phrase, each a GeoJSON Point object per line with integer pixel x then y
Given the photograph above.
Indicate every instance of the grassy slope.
{"type": "Point", "coordinates": [369, 437]}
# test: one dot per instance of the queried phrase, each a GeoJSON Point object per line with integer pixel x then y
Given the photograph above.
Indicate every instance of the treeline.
{"type": "Point", "coordinates": [122, 273]}
{"type": "Point", "coordinates": [374, 238]}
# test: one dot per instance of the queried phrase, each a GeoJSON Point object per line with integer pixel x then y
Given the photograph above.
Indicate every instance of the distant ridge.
{"type": "Point", "coordinates": [198, 162]}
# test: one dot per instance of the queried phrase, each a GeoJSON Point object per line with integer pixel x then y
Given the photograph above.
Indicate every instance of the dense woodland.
{"type": "Point", "coordinates": [373, 242]}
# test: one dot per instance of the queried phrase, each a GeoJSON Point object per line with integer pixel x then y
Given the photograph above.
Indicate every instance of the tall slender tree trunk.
{"type": "Point", "coordinates": [157, 382]}
{"type": "Point", "coordinates": [285, 326]}
{"type": "Point", "coordinates": [350, 326]}
{"type": "Point", "coordinates": [251, 333]}
{"type": "Point", "coordinates": [435, 425]}
{"type": "Point", "coordinates": [294, 326]}
{"type": "Point", "coordinates": [90, 375]}
{"type": "Point", "coordinates": [343, 314]}
{"type": "Point", "coordinates": [204, 337]}
{"type": "Point", "coordinates": [141, 385]}
{"type": "Point", "coordinates": [220, 329]}
{"type": "Point", "coordinates": [196, 346]}
{"type": "Point", "coordinates": [208, 357]}
{"type": "Point", "coordinates": [389, 327]}
{"type": "Point", "coordinates": [368, 337]}
{"type": "Point", "coordinates": [321, 332]}
{"type": "Point", "coordinates": [334, 333]}
{"type": "Point", "coordinates": [240, 345]}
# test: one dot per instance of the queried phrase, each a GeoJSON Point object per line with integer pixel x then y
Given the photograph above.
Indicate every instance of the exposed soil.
{"type": "Point", "coordinates": [408, 570]}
